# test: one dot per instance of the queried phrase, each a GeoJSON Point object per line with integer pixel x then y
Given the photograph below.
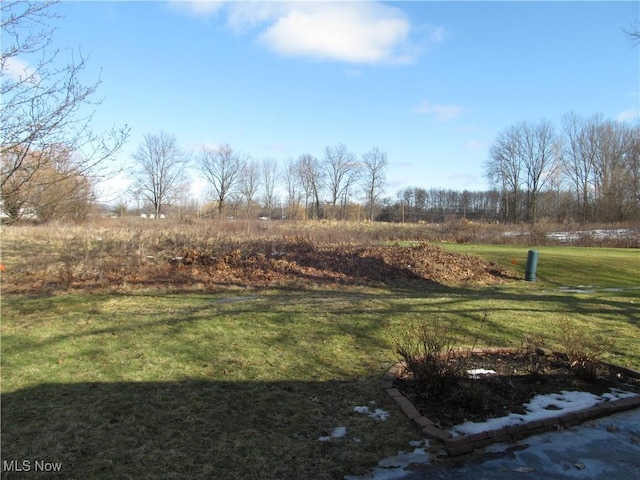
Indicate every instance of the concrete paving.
{"type": "Point", "coordinates": [607, 448]}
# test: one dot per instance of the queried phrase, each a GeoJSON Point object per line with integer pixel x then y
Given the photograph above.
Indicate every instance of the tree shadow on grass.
{"type": "Point", "coordinates": [196, 429]}
{"type": "Point", "coordinates": [373, 307]}
{"type": "Point", "coordinates": [242, 429]}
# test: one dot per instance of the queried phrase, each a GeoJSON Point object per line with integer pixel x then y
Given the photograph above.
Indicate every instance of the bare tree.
{"type": "Point", "coordinates": [222, 168]}
{"type": "Point", "coordinates": [374, 164]}
{"type": "Point", "coordinates": [601, 161]}
{"type": "Point", "coordinates": [503, 169]}
{"type": "Point", "coordinates": [540, 151]}
{"type": "Point", "coordinates": [634, 167]}
{"type": "Point", "coordinates": [160, 169]}
{"type": "Point", "coordinates": [524, 157]}
{"type": "Point", "coordinates": [45, 105]}
{"type": "Point", "coordinates": [576, 169]}
{"type": "Point", "coordinates": [293, 185]}
{"type": "Point", "coordinates": [312, 177]}
{"type": "Point", "coordinates": [578, 159]}
{"type": "Point", "coordinates": [55, 190]}
{"type": "Point", "coordinates": [341, 172]}
{"type": "Point", "coordinates": [614, 171]}
{"type": "Point", "coordinates": [269, 173]}
{"type": "Point", "coordinates": [634, 33]}
{"type": "Point", "coordinates": [249, 183]}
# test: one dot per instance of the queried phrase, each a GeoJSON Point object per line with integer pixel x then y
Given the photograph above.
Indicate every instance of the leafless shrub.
{"type": "Point", "coordinates": [426, 347]}
{"type": "Point", "coordinates": [531, 348]}
{"type": "Point", "coordinates": [473, 396]}
{"type": "Point", "coordinates": [582, 348]}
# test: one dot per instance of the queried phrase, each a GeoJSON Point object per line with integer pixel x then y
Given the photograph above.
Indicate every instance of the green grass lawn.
{"type": "Point", "coordinates": [240, 384]}
{"type": "Point", "coordinates": [566, 266]}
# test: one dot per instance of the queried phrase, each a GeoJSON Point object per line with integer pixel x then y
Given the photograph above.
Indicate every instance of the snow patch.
{"type": "Point", "coordinates": [604, 448]}
{"type": "Point", "coordinates": [338, 432]}
{"type": "Point", "coordinates": [542, 407]}
{"type": "Point", "coordinates": [479, 372]}
{"type": "Point", "coordinates": [378, 413]}
{"type": "Point", "coordinates": [395, 467]}
{"type": "Point", "coordinates": [578, 289]}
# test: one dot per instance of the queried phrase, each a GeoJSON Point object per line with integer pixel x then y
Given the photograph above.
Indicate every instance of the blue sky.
{"type": "Point", "coordinates": [431, 83]}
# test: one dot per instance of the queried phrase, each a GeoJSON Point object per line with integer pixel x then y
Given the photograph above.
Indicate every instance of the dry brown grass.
{"type": "Point", "coordinates": [124, 253]}
{"type": "Point", "coordinates": [132, 251]}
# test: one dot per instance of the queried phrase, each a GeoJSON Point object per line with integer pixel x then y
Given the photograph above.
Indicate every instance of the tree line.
{"type": "Point", "coordinates": [306, 187]}
{"type": "Point", "coordinates": [587, 170]}
{"type": "Point", "coordinates": [590, 168]}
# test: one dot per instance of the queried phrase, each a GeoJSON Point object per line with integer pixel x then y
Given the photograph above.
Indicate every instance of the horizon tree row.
{"type": "Point", "coordinates": [597, 161]}
{"type": "Point", "coordinates": [587, 172]}
{"type": "Point", "coordinates": [324, 186]}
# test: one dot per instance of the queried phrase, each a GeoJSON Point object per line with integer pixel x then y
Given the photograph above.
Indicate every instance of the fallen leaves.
{"type": "Point", "coordinates": [272, 262]}
{"type": "Point", "coordinates": [345, 264]}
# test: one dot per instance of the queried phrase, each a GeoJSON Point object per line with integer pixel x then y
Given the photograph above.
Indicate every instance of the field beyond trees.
{"type": "Point", "coordinates": [204, 349]}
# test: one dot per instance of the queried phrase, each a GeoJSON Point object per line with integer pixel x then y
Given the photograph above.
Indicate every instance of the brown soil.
{"type": "Point", "coordinates": [519, 377]}
{"type": "Point", "coordinates": [297, 260]}
{"type": "Point", "coordinates": [287, 262]}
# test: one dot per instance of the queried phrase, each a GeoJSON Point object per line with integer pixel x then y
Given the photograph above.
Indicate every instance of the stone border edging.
{"type": "Point", "coordinates": [464, 444]}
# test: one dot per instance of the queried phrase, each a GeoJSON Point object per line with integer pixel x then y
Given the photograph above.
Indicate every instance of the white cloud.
{"type": "Point", "coordinates": [442, 113]}
{"type": "Point", "coordinates": [475, 145]}
{"type": "Point", "coordinates": [349, 32]}
{"type": "Point", "coordinates": [361, 32]}
{"type": "Point", "coordinates": [631, 114]}
{"type": "Point", "coordinates": [18, 70]}
{"type": "Point", "coordinates": [242, 16]}
{"type": "Point", "coordinates": [200, 8]}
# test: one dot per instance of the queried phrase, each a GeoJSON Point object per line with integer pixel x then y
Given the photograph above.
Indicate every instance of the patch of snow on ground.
{"type": "Point", "coordinates": [338, 432]}
{"type": "Point", "coordinates": [542, 407]}
{"type": "Point", "coordinates": [600, 234]}
{"type": "Point", "coordinates": [594, 289]}
{"type": "Point", "coordinates": [378, 413]}
{"type": "Point", "coordinates": [578, 289]}
{"type": "Point", "coordinates": [479, 372]}
{"type": "Point", "coordinates": [598, 449]}
{"type": "Point", "coordinates": [572, 236]}
{"type": "Point", "coordinates": [604, 448]}
{"type": "Point", "coordinates": [394, 467]}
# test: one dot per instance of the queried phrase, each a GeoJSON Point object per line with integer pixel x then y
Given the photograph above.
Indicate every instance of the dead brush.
{"type": "Point", "coordinates": [473, 396]}
{"type": "Point", "coordinates": [426, 349]}
{"type": "Point", "coordinates": [582, 348]}
{"type": "Point", "coordinates": [531, 348]}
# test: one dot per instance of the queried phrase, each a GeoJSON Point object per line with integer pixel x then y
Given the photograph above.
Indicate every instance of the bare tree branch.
{"type": "Point", "coordinates": [374, 164]}
{"type": "Point", "coordinates": [341, 172]}
{"type": "Point", "coordinates": [45, 104]}
{"type": "Point", "coordinates": [222, 168]}
{"type": "Point", "coordinates": [161, 167]}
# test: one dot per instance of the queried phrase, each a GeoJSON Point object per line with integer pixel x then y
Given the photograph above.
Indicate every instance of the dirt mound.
{"type": "Point", "coordinates": [299, 260]}
{"type": "Point", "coordinates": [289, 261]}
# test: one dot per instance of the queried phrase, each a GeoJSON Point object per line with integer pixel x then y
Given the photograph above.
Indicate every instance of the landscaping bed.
{"type": "Point", "coordinates": [503, 394]}
{"type": "Point", "coordinates": [517, 379]}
